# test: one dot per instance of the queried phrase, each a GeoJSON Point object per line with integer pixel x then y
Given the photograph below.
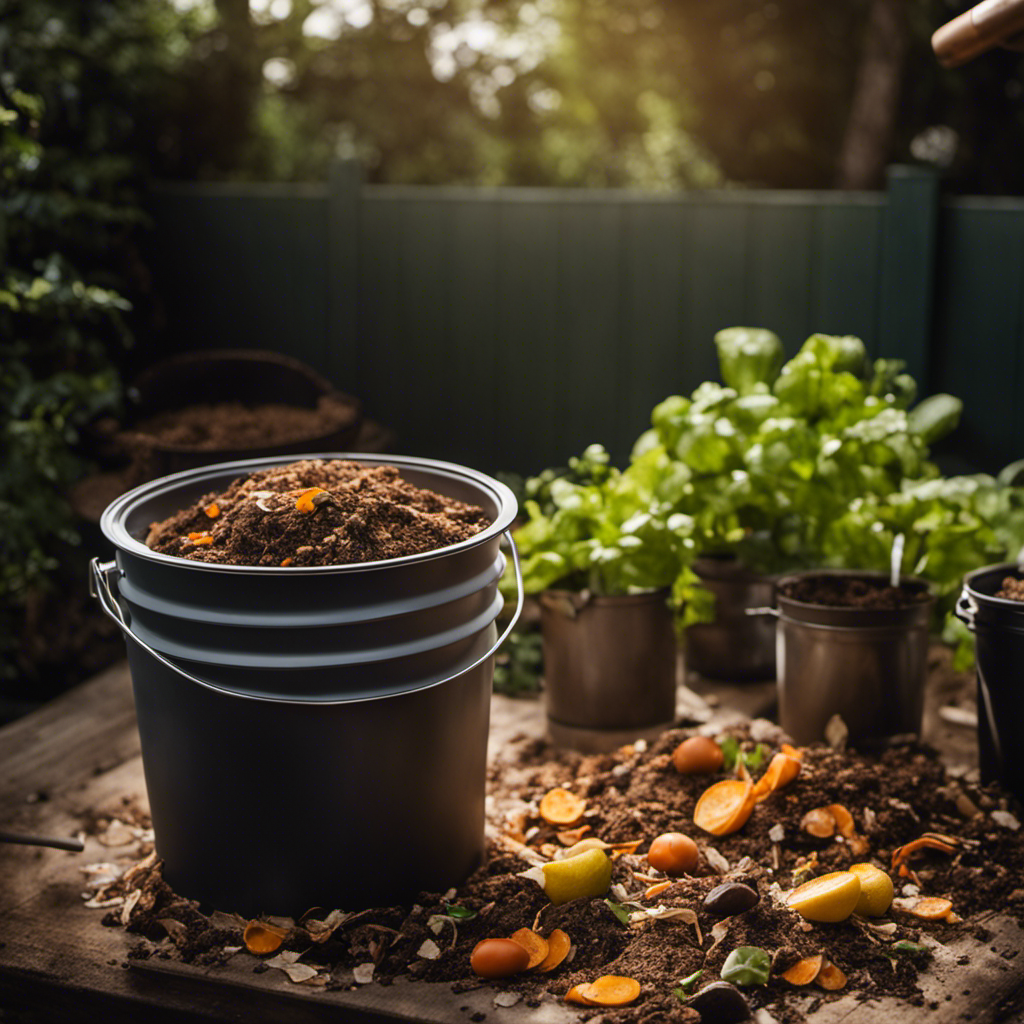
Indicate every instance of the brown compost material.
{"type": "Point", "coordinates": [1012, 589]}
{"type": "Point", "coordinates": [894, 795]}
{"type": "Point", "coordinates": [851, 592]}
{"type": "Point", "coordinates": [316, 512]}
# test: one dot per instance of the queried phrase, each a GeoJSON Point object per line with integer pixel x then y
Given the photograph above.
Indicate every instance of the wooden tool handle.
{"type": "Point", "coordinates": [989, 24]}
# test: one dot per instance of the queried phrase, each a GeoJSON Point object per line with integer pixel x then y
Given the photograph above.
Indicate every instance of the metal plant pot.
{"type": "Point", "coordinates": [736, 646]}
{"type": "Point", "coordinates": [311, 736]}
{"type": "Point", "coordinates": [866, 665]}
{"type": "Point", "coordinates": [609, 668]}
{"type": "Point", "coordinates": [998, 627]}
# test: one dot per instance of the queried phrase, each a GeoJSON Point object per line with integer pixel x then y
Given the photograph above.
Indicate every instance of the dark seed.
{"type": "Point", "coordinates": [730, 898]}
{"type": "Point", "coordinates": [720, 1003]}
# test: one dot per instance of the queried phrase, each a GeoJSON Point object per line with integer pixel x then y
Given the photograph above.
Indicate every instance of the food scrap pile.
{"type": "Point", "coordinates": [701, 878]}
{"type": "Point", "coordinates": [316, 512]}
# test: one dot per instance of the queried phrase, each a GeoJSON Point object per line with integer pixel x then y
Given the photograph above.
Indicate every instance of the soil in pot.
{"type": "Point", "coordinates": [235, 425]}
{"type": "Point", "coordinates": [852, 592]}
{"type": "Point", "coordinates": [1012, 589]}
{"type": "Point", "coordinates": [316, 512]}
{"type": "Point", "coordinates": [631, 796]}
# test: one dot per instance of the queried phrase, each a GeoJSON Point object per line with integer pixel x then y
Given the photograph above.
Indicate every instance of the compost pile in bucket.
{"type": "Point", "coordinates": [316, 512]}
{"type": "Point", "coordinates": [237, 425]}
{"type": "Point", "coordinates": [953, 848]}
{"type": "Point", "coordinates": [852, 592]}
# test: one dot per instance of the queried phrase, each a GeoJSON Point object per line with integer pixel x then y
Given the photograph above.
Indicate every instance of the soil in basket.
{"type": "Point", "coordinates": [852, 592]}
{"type": "Point", "coordinates": [634, 795]}
{"type": "Point", "coordinates": [316, 512]}
{"type": "Point", "coordinates": [234, 425]}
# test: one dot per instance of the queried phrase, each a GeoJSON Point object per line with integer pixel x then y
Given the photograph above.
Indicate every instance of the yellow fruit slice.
{"type": "Point", "coordinates": [587, 874]}
{"type": "Point", "coordinates": [829, 898]}
{"type": "Point", "coordinates": [724, 807]}
{"type": "Point", "coordinates": [876, 890]}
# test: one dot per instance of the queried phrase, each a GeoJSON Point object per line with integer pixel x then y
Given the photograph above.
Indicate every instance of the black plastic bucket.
{"type": "Point", "coordinates": [311, 736]}
{"type": "Point", "coordinates": [998, 627]}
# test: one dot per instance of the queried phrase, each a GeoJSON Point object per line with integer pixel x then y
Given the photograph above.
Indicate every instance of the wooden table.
{"type": "Point", "coordinates": [79, 756]}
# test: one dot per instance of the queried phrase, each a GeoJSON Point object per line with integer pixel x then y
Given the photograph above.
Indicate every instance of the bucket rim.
{"type": "Point", "coordinates": [927, 591]}
{"type": "Point", "coordinates": [113, 527]}
{"type": "Point", "coordinates": [1014, 568]}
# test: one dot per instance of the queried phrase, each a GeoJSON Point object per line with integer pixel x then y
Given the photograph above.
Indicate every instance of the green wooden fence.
{"type": "Point", "coordinates": [509, 328]}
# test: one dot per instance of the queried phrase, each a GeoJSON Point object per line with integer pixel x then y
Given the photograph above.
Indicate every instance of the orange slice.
{"type": "Point", "coordinates": [560, 807]}
{"type": "Point", "coordinates": [262, 938]}
{"type": "Point", "coordinates": [534, 944]}
{"type": "Point", "coordinates": [576, 995]}
{"type": "Point", "coordinates": [831, 978]}
{"type": "Point", "coordinates": [559, 945]}
{"type": "Point", "coordinates": [724, 807]}
{"type": "Point", "coordinates": [803, 972]}
{"type": "Point", "coordinates": [612, 990]}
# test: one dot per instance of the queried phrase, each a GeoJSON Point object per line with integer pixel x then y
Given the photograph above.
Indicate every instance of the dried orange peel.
{"type": "Point", "coordinates": [608, 990]}
{"type": "Point", "coordinates": [571, 836]}
{"type": "Point", "coordinates": [559, 945]}
{"type": "Point", "coordinates": [928, 841]}
{"type": "Point", "coordinates": [831, 978]}
{"type": "Point", "coordinates": [560, 807]}
{"type": "Point", "coordinates": [534, 944]}
{"type": "Point", "coordinates": [803, 972]}
{"type": "Point", "coordinates": [262, 938]}
{"type": "Point", "coordinates": [212, 510]}
{"type": "Point", "coordinates": [304, 502]}
{"type": "Point", "coordinates": [725, 807]}
{"type": "Point", "coordinates": [782, 770]}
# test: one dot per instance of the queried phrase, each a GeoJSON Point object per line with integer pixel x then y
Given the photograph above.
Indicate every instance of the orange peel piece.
{"type": "Point", "coordinates": [925, 842]}
{"type": "Point", "coordinates": [932, 908]}
{"type": "Point", "coordinates": [612, 990]}
{"type": "Point", "coordinates": [560, 807]}
{"type": "Point", "coordinates": [831, 978]}
{"type": "Point", "coordinates": [262, 938]}
{"type": "Point", "coordinates": [819, 822]}
{"type": "Point", "coordinates": [559, 945]}
{"type": "Point", "coordinates": [571, 836]}
{"type": "Point", "coordinates": [576, 995]}
{"type": "Point", "coordinates": [803, 972]}
{"type": "Point", "coordinates": [656, 889]}
{"type": "Point", "coordinates": [212, 510]}
{"type": "Point", "coordinates": [724, 807]}
{"type": "Point", "coordinates": [304, 502]}
{"type": "Point", "coordinates": [843, 819]}
{"type": "Point", "coordinates": [535, 945]}
{"type": "Point", "coordinates": [782, 770]}
{"type": "Point", "coordinates": [286, 562]}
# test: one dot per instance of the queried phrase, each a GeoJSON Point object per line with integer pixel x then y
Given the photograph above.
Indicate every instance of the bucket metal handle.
{"type": "Point", "coordinates": [99, 587]}
{"type": "Point", "coordinates": [763, 610]}
{"type": "Point", "coordinates": [966, 609]}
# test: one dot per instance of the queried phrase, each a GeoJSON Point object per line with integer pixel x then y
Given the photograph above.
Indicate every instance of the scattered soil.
{"type": "Point", "coordinates": [359, 513]}
{"type": "Point", "coordinates": [234, 425]}
{"type": "Point", "coordinates": [1012, 589]}
{"type": "Point", "coordinates": [894, 794]}
{"type": "Point", "coordinates": [852, 592]}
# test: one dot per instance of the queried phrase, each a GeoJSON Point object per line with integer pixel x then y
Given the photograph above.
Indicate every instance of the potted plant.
{"type": "Point", "coordinates": [766, 463]}
{"type": "Point", "coordinates": [607, 557]}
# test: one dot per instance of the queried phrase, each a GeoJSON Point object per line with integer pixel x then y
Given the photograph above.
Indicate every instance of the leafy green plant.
{"type": "Point", "coordinates": [617, 534]}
